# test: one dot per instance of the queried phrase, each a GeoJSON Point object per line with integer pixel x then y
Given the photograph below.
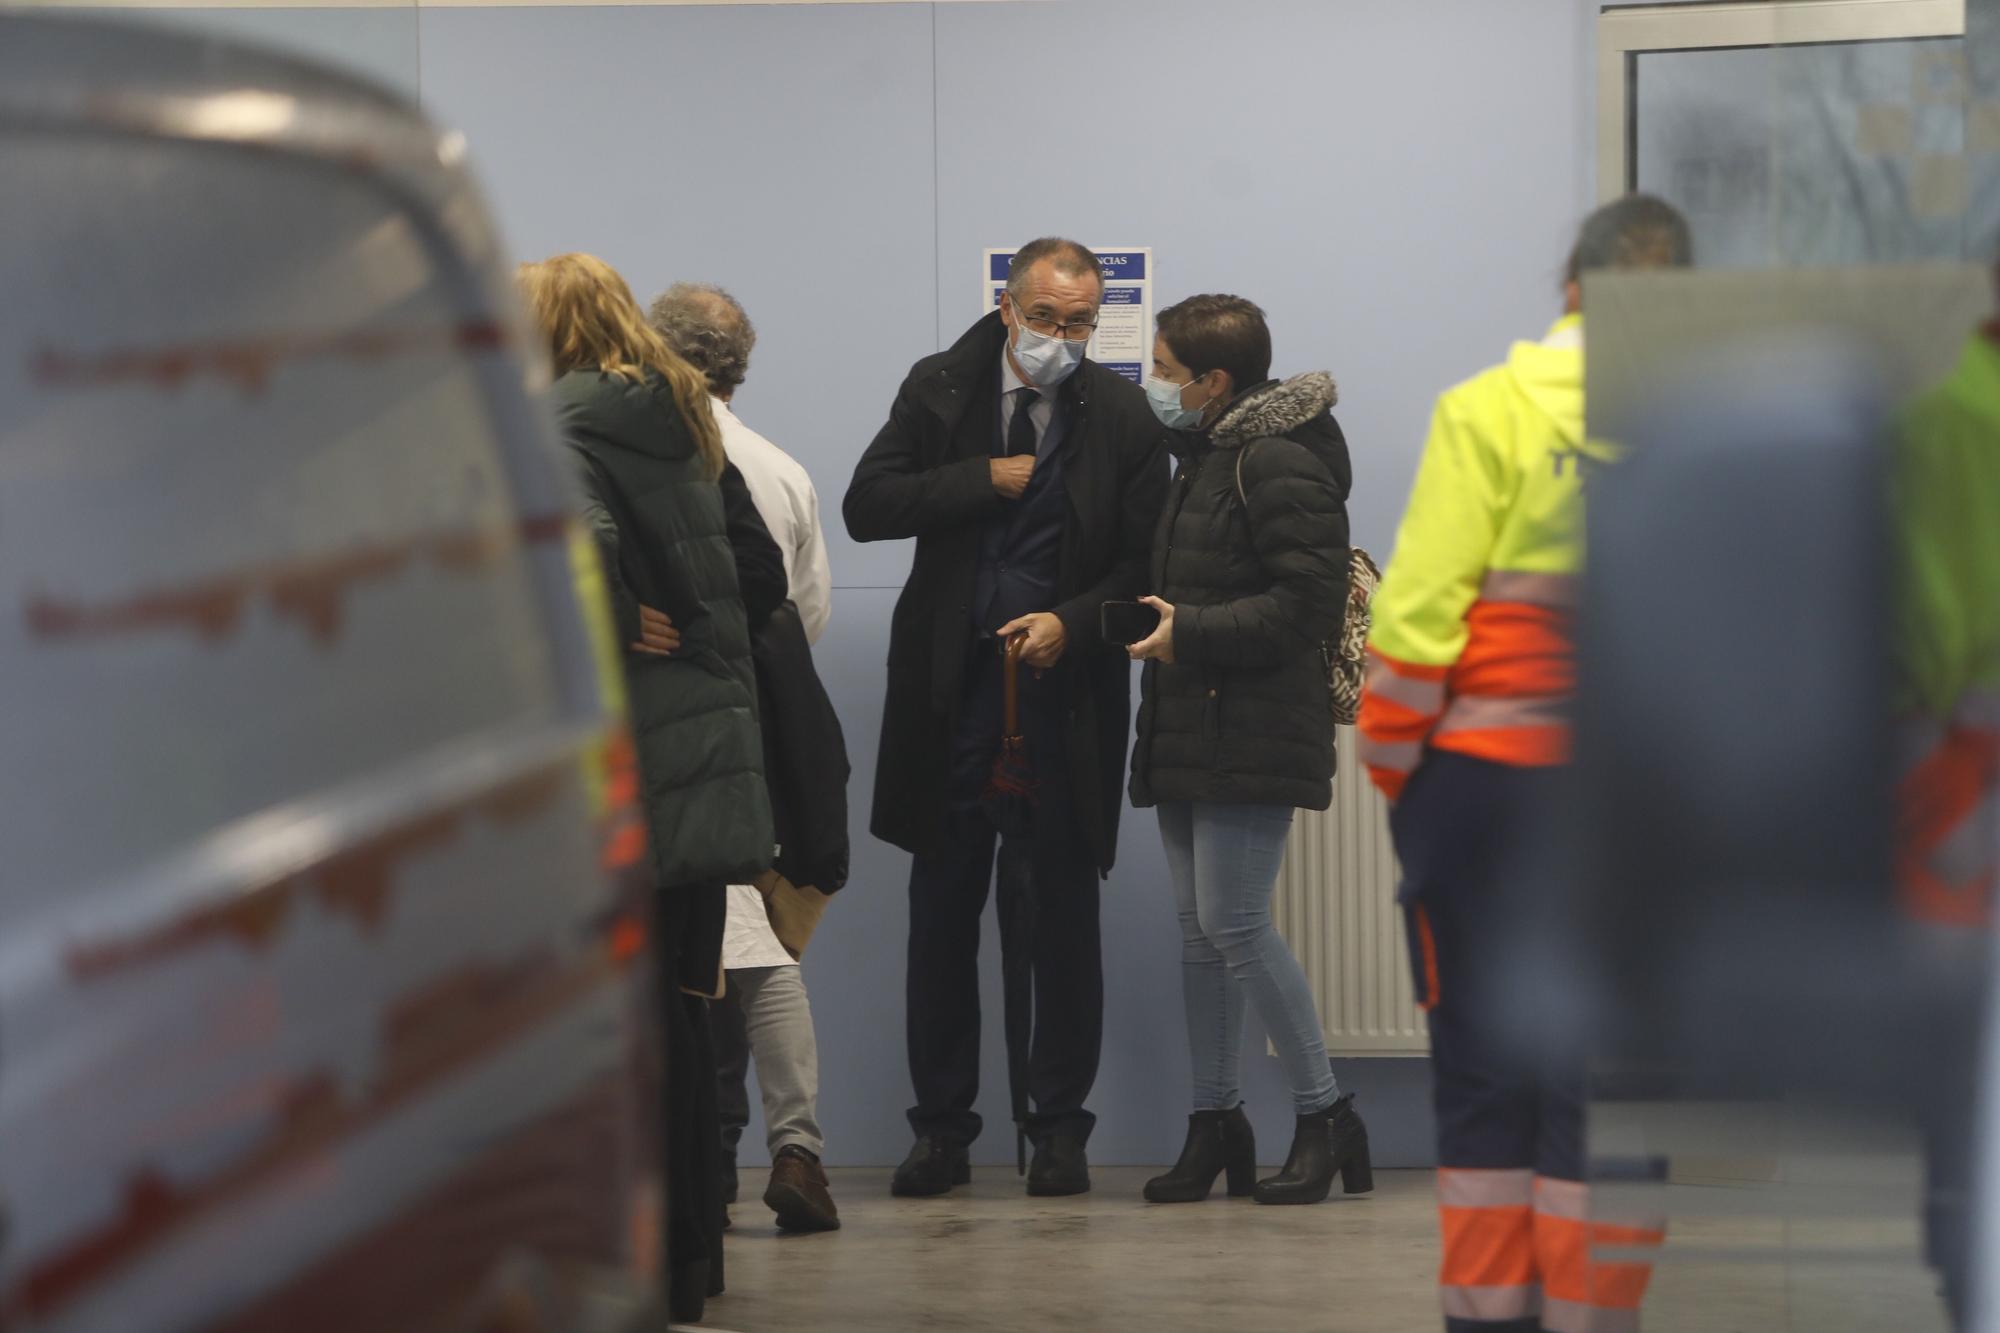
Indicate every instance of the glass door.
{"type": "Point", "coordinates": [1807, 132]}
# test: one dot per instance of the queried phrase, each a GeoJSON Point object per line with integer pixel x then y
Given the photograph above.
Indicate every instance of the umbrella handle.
{"type": "Point", "coordinates": [1012, 684]}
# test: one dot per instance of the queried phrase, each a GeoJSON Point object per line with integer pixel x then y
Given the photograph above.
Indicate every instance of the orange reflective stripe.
{"type": "Point", "coordinates": [621, 759]}
{"type": "Point", "coordinates": [1389, 781]}
{"type": "Point", "coordinates": [1526, 747]}
{"type": "Point", "coordinates": [1488, 1247]}
{"type": "Point", "coordinates": [628, 939]}
{"type": "Point", "coordinates": [621, 826]}
{"type": "Point", "coordinates": [1397, 757]}
{"type": "Point", "coordinates": [1428, 949]}
{"type": "Point", "coordinates": [1944, 849]}
{"type": "Point", "coordinates": [1947, 784]}
{"type": "Point", "coordinates": [1417, 690]}
{"type": "Point", "coordinates": [1513, 674]}
{"type": "Point", "coordinates": [1473, 1187]}
{"type": "Point", "coordinates": [1493, 1269]}
{"type": "Point", "coordinates": [1478, 712]}
{"type": "Point", "coordinates": [1383, 719]}
{"type": "Point", "coordinates": [1569, 1199]}
{"type": "Point", "coordinates": [1381, 661]}
{"type": "Point", "coordinates": [1400, 703]}
{"type": "Point", "coordinates": [1560, 1316]}
{"type": "Point", "coordinates": [1563, 1248]}
{"type": "Point", "coordinates": [1928, 897]}
{"type": "Point", "coordinates": [1623, 1236]}
{"type": "Point", "coordinates": [1515, 649]}
{"type": "Point", "coordinates": [1967, 852]}
{"type": "Point", "coordinates": [1492, 1305]}
{"type": "Point", "coordinates": [1488, 1221]}
{"type": "Point", "coordinates": [1552, 590]}
{"type": "Point", "coordinates": [625, 848]}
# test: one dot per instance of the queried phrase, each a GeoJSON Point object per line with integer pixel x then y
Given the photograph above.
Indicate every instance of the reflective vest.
{"type": "Point", "coordinates": [1471, 649]}
{"type": "Point", "coordinates": [1947, 497]}
{"type": "Point", "coordinates": [611, 764]}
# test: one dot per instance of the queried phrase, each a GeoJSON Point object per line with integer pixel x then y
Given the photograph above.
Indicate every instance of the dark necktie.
{"type": "Point", "coordinates": [1021, 431]}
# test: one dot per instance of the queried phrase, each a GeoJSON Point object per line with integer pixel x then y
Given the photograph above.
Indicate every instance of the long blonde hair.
{"type": "Point", "coordinates": [593, 323]}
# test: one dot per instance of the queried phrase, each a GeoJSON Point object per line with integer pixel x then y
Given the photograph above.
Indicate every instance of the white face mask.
{"type": "Point", "coordinates": [1046, 362]}
{"type": "Point", "coordinates": [1165, 398]}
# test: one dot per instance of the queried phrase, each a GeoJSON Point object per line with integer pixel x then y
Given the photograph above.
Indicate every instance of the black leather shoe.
{"type": "Point", "coordinates": [1217, 1141]}
{"type": "Point", "coordinates": [1327, 1143]}
{"type": "Point", "coordinates": [933, 1167]}
{"type": "Point", "coordinates": [1059, 1168]}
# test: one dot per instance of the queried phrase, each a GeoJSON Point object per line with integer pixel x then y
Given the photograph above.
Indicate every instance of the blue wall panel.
{"type": "Point", "coordinates": [1395, 182]}
{"type": "Point", "coordinates": [784, 151]}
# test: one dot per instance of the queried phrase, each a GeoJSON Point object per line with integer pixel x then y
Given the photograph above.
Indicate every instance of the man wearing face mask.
{"type": "Point", "coordinates": [1031, 479]}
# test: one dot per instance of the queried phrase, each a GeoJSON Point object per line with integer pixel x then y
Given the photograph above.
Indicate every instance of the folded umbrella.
{"type": "Point", "coordinates": [1009, 801]}
{"type": "Point", "coordinates": [1010, 790]}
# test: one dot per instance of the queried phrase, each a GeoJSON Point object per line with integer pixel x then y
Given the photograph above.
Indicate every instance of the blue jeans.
{"type": "Point", "coordinates": [1224, 861]}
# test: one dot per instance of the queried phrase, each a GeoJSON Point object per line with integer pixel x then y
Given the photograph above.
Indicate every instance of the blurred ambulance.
{"type": "Point", "coordinates": [322, 1003]}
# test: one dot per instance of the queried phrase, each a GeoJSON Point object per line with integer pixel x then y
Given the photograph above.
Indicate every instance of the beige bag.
{"type": "Point", "coordinates": [794, 911]}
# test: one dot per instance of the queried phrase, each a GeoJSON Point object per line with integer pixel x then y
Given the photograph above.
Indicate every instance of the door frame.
{"type": "Point", "coordinates": [1626, 32]}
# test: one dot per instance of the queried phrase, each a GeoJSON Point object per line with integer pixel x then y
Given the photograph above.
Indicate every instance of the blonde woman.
{"type": "Point", "coordinates": [652, 469]}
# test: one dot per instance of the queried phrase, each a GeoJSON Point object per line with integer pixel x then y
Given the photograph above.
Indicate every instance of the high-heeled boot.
{"type": "Point", "coordinates": [1327, 1143]}
{"type": "Point", "coordinates": [1217, 1141]}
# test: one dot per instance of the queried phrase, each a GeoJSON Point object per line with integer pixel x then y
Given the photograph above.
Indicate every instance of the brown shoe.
{"type": "Point", "coordinates": [798, 1193]}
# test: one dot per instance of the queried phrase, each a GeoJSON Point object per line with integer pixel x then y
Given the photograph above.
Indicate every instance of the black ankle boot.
{"type": "Point", "coordinates": [1327, 1143]}
{"type": "Point", "coordinates": [1217, 1141]}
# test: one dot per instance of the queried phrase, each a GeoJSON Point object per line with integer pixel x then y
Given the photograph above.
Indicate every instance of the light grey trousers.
{"type": "Point", "coordinates": [766, 1017]}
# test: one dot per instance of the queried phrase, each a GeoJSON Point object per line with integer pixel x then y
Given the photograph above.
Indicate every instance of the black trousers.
{"type": "Point", "coordinates": [1505, 1097]}
{"type": "Point", "coordinates": [949, 887]}
{"type": "Point", "coordinates": [692, 1147]}
{"type": "Point", "coordinates": [1501, 1107]}
{"type": "Point", "coordinates": [1509, 1089]}
{"type": "Point", "coordinates": [732, 1069]}
{"type": "Point", "coordinates": [1948, 1112]}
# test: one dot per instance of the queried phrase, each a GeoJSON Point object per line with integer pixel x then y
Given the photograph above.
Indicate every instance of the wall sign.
{"type": "Point", "coordinates": [1124, 339]}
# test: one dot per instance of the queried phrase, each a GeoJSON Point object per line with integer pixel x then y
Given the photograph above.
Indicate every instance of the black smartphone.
{"type": "Point", "coordinates": [1125, 623]}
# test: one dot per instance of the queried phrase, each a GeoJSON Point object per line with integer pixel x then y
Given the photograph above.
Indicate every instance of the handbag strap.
{"type": "Point", "coordinates": [1242, 494]}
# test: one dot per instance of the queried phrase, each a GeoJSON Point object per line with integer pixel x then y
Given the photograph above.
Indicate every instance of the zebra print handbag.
{"type": "Point", "coordinates": [1346, 657]}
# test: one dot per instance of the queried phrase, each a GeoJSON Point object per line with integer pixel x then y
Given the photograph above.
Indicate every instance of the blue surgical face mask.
{"type": "Point", "coordinates": [1046, 361]}
{"type": "Point", "coordinates": [1165, 398]}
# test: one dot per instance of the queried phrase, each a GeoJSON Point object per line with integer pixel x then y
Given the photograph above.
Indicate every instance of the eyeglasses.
{"type": "Point", "coordinates": [1077, 331]}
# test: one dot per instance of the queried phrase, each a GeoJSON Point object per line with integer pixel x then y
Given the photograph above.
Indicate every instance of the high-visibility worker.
{"type": "Point", "coordinates": [1948, 643]}
{"type": "Point", "coordinates": [1947, 646]}
{"type": "Point", "coordinates": [1463, 725]}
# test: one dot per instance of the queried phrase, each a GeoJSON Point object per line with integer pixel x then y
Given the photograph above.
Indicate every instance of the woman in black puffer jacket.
{"type": "Point", "coordinates": [1236, 725]}
{"type": "Point", "coordinates": [691, 569]}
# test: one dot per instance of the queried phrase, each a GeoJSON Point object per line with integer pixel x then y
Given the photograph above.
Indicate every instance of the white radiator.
{"type": "Point", "coordinates": [1336, 906]}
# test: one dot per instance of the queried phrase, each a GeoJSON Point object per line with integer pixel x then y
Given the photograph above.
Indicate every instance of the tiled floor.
{"type": "Point", "coordinates": [987, 1259]}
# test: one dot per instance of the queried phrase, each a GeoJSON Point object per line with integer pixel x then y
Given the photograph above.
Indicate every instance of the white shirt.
{"type": "Point", "coordinates": [747, 938]}
{"type": "Point", "coordinates": [789, 505]}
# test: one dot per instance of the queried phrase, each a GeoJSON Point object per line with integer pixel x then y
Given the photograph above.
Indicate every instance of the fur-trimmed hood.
{"type": "Point", "coordinates": [1274, 409]}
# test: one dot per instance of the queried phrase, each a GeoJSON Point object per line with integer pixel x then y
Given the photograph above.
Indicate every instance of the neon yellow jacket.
{"type": "Point", "coordinates": [1947, 500]}
{"type": "Point", "coordinates": [1471, 647]}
